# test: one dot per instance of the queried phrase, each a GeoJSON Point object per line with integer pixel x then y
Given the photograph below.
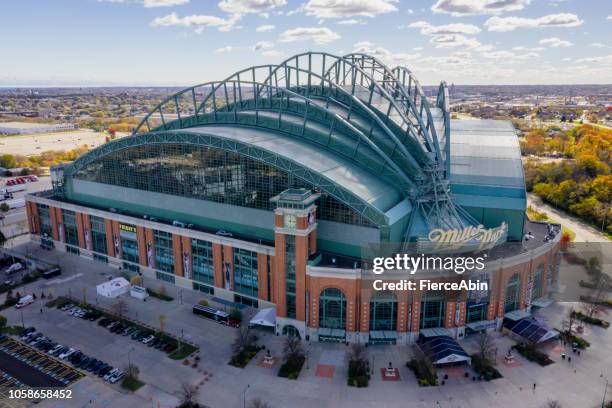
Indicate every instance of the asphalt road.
{"type": "Point", "coordinates": [584, 232]}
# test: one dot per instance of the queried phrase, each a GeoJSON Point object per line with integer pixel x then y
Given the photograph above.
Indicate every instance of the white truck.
{"type": "Point", "coordinates": [15, 203]}
{"type": "Point", "coordinates": [13, 189]}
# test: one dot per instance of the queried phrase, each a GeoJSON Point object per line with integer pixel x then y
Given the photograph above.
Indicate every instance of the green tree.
{"type": "Point", "coordinates": [8, 161]}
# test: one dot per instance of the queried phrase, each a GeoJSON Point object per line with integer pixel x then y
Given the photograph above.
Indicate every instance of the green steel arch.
{"type": "Point", "coordinates": [257, 153]}
{"type": "Point", "coordinates": [218, 96]}
{"type": "Point", "coordinates": [228, 107]}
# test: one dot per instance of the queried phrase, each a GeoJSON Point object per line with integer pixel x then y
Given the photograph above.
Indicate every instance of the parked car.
{"type": "Point", "coordinates": [67, 353]}
{"type": "Point", "coordinates": [111, 373]}
{"type": "Point", "coordinates": [116, 377]}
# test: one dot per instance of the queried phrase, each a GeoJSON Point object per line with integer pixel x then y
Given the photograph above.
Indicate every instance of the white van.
{"type": "Point", "coordinates": [24, 301]}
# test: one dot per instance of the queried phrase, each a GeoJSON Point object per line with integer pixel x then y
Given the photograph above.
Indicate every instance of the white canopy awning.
{"type": "Point", "coordinates": [113, 288]}
{"type": "Point", "coordinates": [265, 317]}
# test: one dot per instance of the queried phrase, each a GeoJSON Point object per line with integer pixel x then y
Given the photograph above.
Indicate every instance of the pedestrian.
{"type": "Point", "coordinates": [41, 310]}
{"type": "Point", "coordinates": [534, 387]}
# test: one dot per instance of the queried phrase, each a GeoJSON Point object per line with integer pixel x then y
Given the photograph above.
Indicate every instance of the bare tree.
{"type": "Point", "coordinates": [594, 303]}
{"type": "Point", "coordinates": [244, 339]}
{"type": "Point", "coordinates": [258, 403]}
{"type": "Point", "coordinates": [486, 346]}
{"type": "Point", "coordinates": [132, 371]}
{"type": "Point", "coordinates": [162, 320]}
{"type": "Point", "coordinates": [552, 404]}
{"type": "Point", "coordinates": [188, 393]}
{"type": "Point", "coordinates": [568, 323]}
{"type": "Point", "coordinates": [292, 348]}
{"type": "Point", "coordinates": [357, 352]}
{"type": "Point", "coordinates": [120, 308]}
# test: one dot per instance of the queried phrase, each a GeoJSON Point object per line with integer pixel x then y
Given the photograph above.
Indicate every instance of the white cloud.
{"type": "Point", "coordinates": [505, 56]}
{"type": "Point", "coordinates": [417, 49]}
{"type": "Point", "coordinates": [265, 28]}
{"type": "Point", "coordinates": [348, 8]}
{"type": "Point", "coordinates": [351, 21]}
{"type": "Point", "coordinates": [597, 45]}
{"type": "Point", "coordinates": [319, 35]}
{"type": "Point", "coordinates": [503, 24]}
{"type": "Point", "coordinates": [474, 7]}
{"type": "Point", "coordinates": [197, 21]}
{"type": "Point", "coordinates": [271, 53]}
{"type": "Point", "coordinates": [609, 17]}
{"type": "Point", "coordinates": [458, 28]}
{"type": "Point", "coordinates": [263, 45]}
{"type": "Point", "coordinates": [367, 47]}
{"type": "Point", "coordinates": [224, 50]}
{"type": "Point", "coordinates": [164, 3]}
{"type": "Point", "coordinates": [605, 59]}
{"type": "Point", "coordinates": [454, 40]}
{"type": "Point", "coordinates": [555, 42]}
{"type": "Point", "coordinates": [530, 49]}
{"type": "Point", "coordinates": [249, 6]}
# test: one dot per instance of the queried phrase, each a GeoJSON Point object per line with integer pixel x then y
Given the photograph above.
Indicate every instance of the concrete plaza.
{"type": "Point", "coordinates": [322, 382]}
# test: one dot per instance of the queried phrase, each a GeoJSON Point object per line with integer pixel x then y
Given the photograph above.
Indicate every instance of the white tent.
{"type": "Point", "coordinates": [265, 317]}
{"type": "Point", "coordinates": [113, 288]}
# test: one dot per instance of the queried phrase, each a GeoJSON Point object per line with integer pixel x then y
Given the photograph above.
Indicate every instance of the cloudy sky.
{"type": "Point", "coordinates": [184, 42]}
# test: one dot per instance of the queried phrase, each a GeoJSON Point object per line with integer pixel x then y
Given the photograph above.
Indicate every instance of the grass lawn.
{"type": "Point", "coordinates": [132, 384]}
{"type": "Point", "coordinates": [184, 351]}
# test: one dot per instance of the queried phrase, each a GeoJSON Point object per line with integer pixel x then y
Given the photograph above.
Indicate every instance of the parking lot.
{"type": "Point", "coordinates": [25, 365]}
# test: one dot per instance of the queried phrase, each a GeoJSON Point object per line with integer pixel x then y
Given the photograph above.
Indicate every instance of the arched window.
{"type": "Point", "coordinates": [332, 309]}
{"type": "Point", "coordinates": [433, 306]}
{"type": "Point", "coordinates": [291, 331]}
{"type": "Point", "coordinates": [536, 289]}
{"type": "Point", "coordinates": [513, 290]}
{"type": "Point", "coordinates": [383, 311]}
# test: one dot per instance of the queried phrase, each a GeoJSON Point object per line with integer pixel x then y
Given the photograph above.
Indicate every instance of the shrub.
{"type": "Point", "coordinates": [591, 320]}
{"type": "Point", "coordinates": [292, 367]}
{"type": "Point", "coordinates": [423, 372]}
{"type": "Point", "coordinates": [203, 302]}
{"type": "Point", "coordinates": [136, 280]}
{"type": "Point", "coordinates": [2, 321]}
{"type": "Point", "coordinates": [483, 367]}
{"type": "Point", "coordinates": [236, 314]}
{"type": "Point", "coordinates": [358, 373]}
{"type": "Point", "coordinates": [160, 295]}
{"type": "Point", "coordinates": [531, 353]}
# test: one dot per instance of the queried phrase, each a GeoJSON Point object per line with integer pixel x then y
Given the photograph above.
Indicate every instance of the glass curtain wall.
{"type": "Point", "coordinates": [206, 174]}
{"type": "Point", "coordinates": [332, 309]}
{"type": "Point", "coordinates": [164, 255]}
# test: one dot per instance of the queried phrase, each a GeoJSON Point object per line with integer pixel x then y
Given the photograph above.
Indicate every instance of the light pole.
{"type": "Point", "coordinates": [603, 402]}
{"type": "Point", "coordinates": [244, 395]}
{"type": "Point", "coordinates": [130, 361]}
{"type": "Point", "coordinates": [21, 312]}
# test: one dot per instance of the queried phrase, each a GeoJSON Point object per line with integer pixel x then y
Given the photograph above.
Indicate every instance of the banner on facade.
{"type": "Point", "coordinates": [88, 239]}
{"type": "Point", "coordinates": [186, 265]}
{"type": "Point", "coordinates": [150, 257]}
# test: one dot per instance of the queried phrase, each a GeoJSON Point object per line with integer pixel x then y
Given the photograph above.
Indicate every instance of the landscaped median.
{"type": "Point", "coordinates": [531, 353]}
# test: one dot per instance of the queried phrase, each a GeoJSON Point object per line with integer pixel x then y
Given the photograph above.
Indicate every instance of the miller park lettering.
{"type": "Point", "coordinates": [467, 239]}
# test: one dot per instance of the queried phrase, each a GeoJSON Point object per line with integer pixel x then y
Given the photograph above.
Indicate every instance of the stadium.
{"type": "Point", "coordinates": [263, 189]}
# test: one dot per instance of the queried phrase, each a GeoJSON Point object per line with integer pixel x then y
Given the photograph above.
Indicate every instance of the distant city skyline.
{"type": "Point", "coordinates": [184, 42]}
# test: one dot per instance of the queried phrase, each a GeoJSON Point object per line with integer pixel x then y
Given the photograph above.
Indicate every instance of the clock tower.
{"type": "Point", "coordinates": [295, 239]}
